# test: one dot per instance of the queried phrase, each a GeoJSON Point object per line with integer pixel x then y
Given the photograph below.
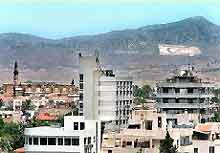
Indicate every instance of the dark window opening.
{"type": "Point", "coordinates": [89, 140]}
{"type": "Point", "coordinates": [60, 141]}
{"type": "Point", "coordinates": [212, 149]}
{"type": "Point", "coordinates": [81, 96]}
{"type": "Point", "coordinates": [148, 125]}
{"type": "Point", "coordinates": [196, 150]}
{"type": "Point", "coordinates": [43, 141]}
{"type": "Point", "coordinates": [67, 141]}
{"type": "Point", "coordinates": [159, 122]}
{"type": "Point", "coordinates": [30, 141]}
{"type": "Point", "coordinates": [75, 126]}
{"type": "Point", "coordinates": [80, 77]}
{"type": "Point", "coordinates": [81, 86]}
{"type": "Point", "coordinates": [82, 125]}
{"type": "Point", "coordinates": [51, 141]}
{"type": "Point", "coordinates": [75, 141]}
{"type": "Point", "coordinates": [35, 141]}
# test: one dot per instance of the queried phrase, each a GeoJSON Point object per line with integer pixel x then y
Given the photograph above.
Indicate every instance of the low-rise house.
{"type": "Point", "coordinates": [206, 138]}
{"type": "Point", "coordinates": [145, 131]}
{"type": "Point", "coordinates": [78, 135]}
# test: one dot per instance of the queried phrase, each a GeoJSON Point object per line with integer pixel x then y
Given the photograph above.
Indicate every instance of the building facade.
{"type": "Point", "coordinates": [77, 136]}
{"type": "Point", "coordinates": [206, 138]}
{"type": "Point", "coordinates": [38, 88]}
{"type": "Point", "coordinates": [145, 131]}
{"type": "Point", "coordinates": [184, 92]}
{"type": "Point", "coordinates": [103, 95]}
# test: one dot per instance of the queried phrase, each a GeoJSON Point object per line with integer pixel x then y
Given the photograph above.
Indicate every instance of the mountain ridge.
{"type": "Point", "coordinates": [35, 52]}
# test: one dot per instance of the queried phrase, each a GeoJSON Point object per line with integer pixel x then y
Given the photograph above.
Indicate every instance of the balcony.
{"type": "Point", "coordinates": [183, 105]}
{"type": "Point", "coordinates": [185, 85]}
{"type": "Point", "coordinates": [184, 95]}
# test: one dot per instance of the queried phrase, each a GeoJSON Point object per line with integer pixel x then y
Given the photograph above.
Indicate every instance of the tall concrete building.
{"type": "Point", "coordinates": [184, 92]}
{"type": "Point", "coordinates": [103, 95]}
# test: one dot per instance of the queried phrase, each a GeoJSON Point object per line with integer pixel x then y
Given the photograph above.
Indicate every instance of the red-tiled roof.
{"type": "Point", "coordinates": [20, 150]}
{"type": "Point", "coordinates": [46, 117]}
{"type": "Point", "coordinates": [204, 127]}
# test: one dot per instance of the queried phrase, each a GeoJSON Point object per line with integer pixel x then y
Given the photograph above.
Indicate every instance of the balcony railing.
{"type": "Point", "coordinates": [184, 95]}
{"type": "Point", "coordinates": [186, 144]}
{"type": "Point", "coordinates": [189, 85]}
{"type": "Point", "coordinates": [183, 105]}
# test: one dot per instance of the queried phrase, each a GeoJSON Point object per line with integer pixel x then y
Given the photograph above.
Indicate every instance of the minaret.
{"type": "Point", "coordinates": [15, 77]}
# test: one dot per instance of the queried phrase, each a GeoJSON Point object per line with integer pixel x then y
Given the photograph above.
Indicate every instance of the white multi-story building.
{"type": "Point", "coordinates": [103, 98]}
{"type": "Point", "coordinates": [77, 136]}
{"type": "Point", "coordinates": [103, 95]}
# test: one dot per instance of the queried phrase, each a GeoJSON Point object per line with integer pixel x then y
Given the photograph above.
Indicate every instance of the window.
{"type": "Point", "coordinates": [196, 150]}
{"type": "Point", "coordinates": [159, 122]}
{"type": "Point", "coordinates": [211, 149]}
{"type": "Point", "coordinates": [80, 105]}
{"type": "Point", "coordinates": [184, 141]}
{"type": "Point", "coordinates": [84, 140]}
{"type": "Point", "coordinates": [43, 141]}
{"type": "Point", "coordinates": [109, 151]}
{"type": "Point", "coordinates": [26, 140]}
{"type": "Point", "coordinates": [67, 141]}
{"type": "Point", "coordinates": [51, 141]}
{"type": "Point", "coordinates": [165, 90]}
{"type": "Point", "coordinates": [82, 125]}
{"type": "Point", "coordinates": [190, 90]}
{"type": "Point", "coordinates": [80, 77]}
{"type": "Point", "coordinates": [81, 86]}
{"type": "Point", "coordinates": [165, 100]}
{"type": "Point", "coordinates": [145, 144]}
{"type": "Point", "coordinates": [35, 139]}
{"type": "Point", "coordinates": [89, 140]}
{"type": "Point", "coordinates": [75, 141]}
{"type": "Point", "coordinates": [75, 126]}
{"type": "Point", "coordinates": [81, 96]}
{"type": "Point", "coordinates": [148, 125]}
{"type": "Point", "coordinates": [129, 143]}
{"type": "Point", "coordinates": [177, 90]}
{"type": "Point", "coordinates": [30, 140]}
{"type": "Point", "coordinates": [60, 141]}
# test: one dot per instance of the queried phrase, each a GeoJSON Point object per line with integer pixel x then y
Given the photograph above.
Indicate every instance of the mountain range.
{"type": "Point", "coordinates": [36, 53]}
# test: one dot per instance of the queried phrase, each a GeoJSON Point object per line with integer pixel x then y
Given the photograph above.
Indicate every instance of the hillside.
{"type": "Point", "coordinates": [36, 53]}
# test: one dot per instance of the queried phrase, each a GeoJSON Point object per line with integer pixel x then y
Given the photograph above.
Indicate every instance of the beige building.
{"type": "Point", "coordinates": [206, 138]}
{"type": "Point", "coordinates": [145, 131]}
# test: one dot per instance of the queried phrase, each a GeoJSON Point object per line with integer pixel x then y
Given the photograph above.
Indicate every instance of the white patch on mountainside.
{"type": "Point", "coordinates": [166, 49]}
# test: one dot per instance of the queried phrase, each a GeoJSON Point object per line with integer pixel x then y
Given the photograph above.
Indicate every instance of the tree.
{"type": "Point", "coordinates": [11, 136]}
{"type": "Point", "coordinates": [216, 117]}
{"type": "Point", "coordinates": [144, 92]}
{"type": "Point", "coordinates": [166, 146]}
{"type": "Point", "coordinates": [139, 100]}
{"type": "Point", "coordinates": [27, 105]}
{"type": "Point", "coordinates": [147, 91]}
{"type": "Point", "coordinates": [140, 94]}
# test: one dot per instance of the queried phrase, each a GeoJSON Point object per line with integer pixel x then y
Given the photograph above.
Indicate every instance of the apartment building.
{"type": "Point", "coordinates": [77, 136]}
{"type": "Point", "coordinates": [145, 131]}
{"type": "Point", "coordinates": [103, 94]}
{"type": "Point", "coordinates": [184, 92]}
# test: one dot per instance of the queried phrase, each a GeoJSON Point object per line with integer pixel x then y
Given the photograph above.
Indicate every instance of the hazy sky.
{"type": "Point", "coordinates": [57, 21]}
